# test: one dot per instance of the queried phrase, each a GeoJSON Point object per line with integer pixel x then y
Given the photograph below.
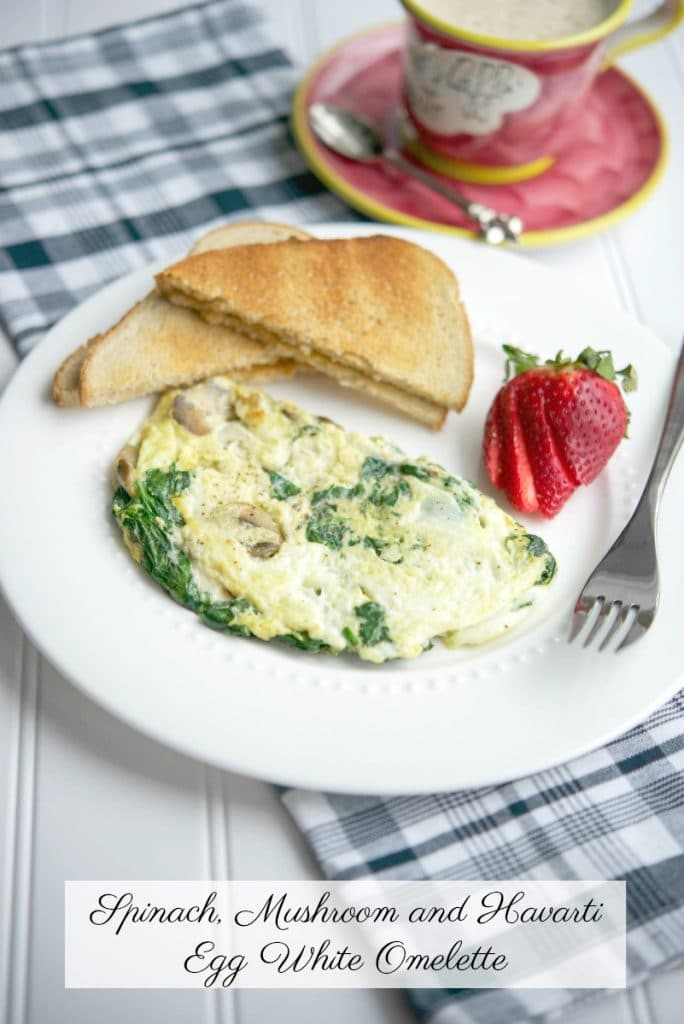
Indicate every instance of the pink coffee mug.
{"type": "Point", "coordinates": [493, 110]}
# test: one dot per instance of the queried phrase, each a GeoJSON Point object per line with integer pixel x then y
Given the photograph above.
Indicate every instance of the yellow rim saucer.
{"type": "Point", "coordinates": [334, 171]}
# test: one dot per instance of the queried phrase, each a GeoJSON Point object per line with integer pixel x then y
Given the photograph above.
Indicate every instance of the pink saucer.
{"type": "Point", "coordinates": [612, 164]}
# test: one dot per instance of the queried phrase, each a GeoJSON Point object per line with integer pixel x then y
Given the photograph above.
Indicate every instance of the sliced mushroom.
{"type": "Point", "coordinates": [261, 534]}
{"type": "Point", "coordinates": [264, 548]}
{"type": "Point", "coordinates": [189, 416]}
{"type": "Point", "coordinates": [125, 468]}
{"type": "Point", "coordinates": [257, 517]}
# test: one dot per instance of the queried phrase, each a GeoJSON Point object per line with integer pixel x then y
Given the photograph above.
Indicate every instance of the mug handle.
{"type": "Point", "coordinates": [648, 29]}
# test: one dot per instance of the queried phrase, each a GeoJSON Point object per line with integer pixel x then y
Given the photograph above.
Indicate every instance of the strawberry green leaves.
{"type": "Point", "coordinates": [598, 361]}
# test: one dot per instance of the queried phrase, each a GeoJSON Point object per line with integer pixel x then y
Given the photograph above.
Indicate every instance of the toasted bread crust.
{"type": "Point", "coordinates": [156, 346]}
{"type": "Point", "coordinates": [429, 413]}
{"type": "Point", "coordinates": [379, 305]}
{"type": "Point", "coordinates": [65, 383]}
{"type": "Point", "coordinates": [247, 232]}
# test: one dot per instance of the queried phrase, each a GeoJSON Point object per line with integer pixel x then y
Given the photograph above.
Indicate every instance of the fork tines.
{"type": "Point", "coordinates": [608, 621]}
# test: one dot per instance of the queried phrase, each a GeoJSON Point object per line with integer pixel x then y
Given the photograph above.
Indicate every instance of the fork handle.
{"type": "Point", "coordinates": [670, 439]}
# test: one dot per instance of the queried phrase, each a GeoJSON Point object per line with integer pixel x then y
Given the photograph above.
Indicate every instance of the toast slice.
{"type": "Point", "coordinates": [156, 346]}
{"type": "Point", "coordinates": [377, 313]}
{"type": "Point", "coordinates": [66, 381]}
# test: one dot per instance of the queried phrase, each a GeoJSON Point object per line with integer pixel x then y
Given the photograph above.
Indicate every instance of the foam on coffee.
{"type": "Point", "coordinates": [521, 19]}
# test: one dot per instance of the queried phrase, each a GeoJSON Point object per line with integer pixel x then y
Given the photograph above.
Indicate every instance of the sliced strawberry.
{"type": "Point", "coordinates": [554, 426]}
{"type": "Point", "coordinates": [516, 472]}
{"type": "Point", "coordinates": [588, 417]}
{"type": "Point", "coordinates": [552, 482]}
{"type": "Point", "coordinates": [492, 445]}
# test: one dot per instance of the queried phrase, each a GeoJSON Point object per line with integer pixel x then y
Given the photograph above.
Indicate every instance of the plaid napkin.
{"type": "Point", "coordinates": [617, 813]}
{"type": "Point", "coordinates": [122, 146]}
{"type": "Point", "coordinates": [119, 148]}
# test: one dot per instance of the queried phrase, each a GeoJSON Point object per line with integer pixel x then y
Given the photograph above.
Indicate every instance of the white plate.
{"type": "Point", "coordinates": [443, 721]}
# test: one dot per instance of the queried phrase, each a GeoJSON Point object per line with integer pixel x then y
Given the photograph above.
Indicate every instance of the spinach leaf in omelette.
{"type": "Point", "coordinates": [281, 487]}
{"type": "Point", "coordinates": [372, 627]}
{"type": "Point", "coordinates": [324, 527]}
{"type": "Point", "coordinates": [148, 520]}
{"type": "Point", "coordinates": [347, 545]}
{"type": "Point", "coordinates": [224, 615]}
{"type": "Point", "coordinates": [387, 487]}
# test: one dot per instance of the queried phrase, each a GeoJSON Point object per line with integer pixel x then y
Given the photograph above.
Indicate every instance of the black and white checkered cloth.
{"type": "Point", "coordinates": [617, 813]}
{"type": "Point", "coordinates": [120, 147]}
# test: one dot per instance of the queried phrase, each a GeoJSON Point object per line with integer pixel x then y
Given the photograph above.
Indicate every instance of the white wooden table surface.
{"type": "Point", "coordinates": [83, 796]}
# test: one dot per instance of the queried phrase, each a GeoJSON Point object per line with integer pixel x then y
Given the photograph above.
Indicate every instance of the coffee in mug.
{"type": "Point", "coordinates": [522, 19]}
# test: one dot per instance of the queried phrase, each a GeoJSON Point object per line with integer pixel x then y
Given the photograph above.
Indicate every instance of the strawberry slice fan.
{"type": "Point", "coordinates": [553, 426]}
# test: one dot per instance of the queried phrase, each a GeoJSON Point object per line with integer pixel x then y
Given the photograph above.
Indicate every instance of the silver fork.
{"type": "Point", "coordinates": [624, 588]}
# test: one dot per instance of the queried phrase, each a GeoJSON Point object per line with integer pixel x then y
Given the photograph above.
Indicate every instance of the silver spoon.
{"type": "Point", "coordinates": [354, 137]}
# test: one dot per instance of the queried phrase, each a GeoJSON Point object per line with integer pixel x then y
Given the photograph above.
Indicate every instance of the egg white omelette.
{"type": "Point", "coordinates": [271, 522]}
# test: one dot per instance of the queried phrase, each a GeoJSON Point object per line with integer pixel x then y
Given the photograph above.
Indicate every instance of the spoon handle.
{"type": "Point", "coordinates": [395, 158]}
{"type": "Point", "coordinates": [493, 227]}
